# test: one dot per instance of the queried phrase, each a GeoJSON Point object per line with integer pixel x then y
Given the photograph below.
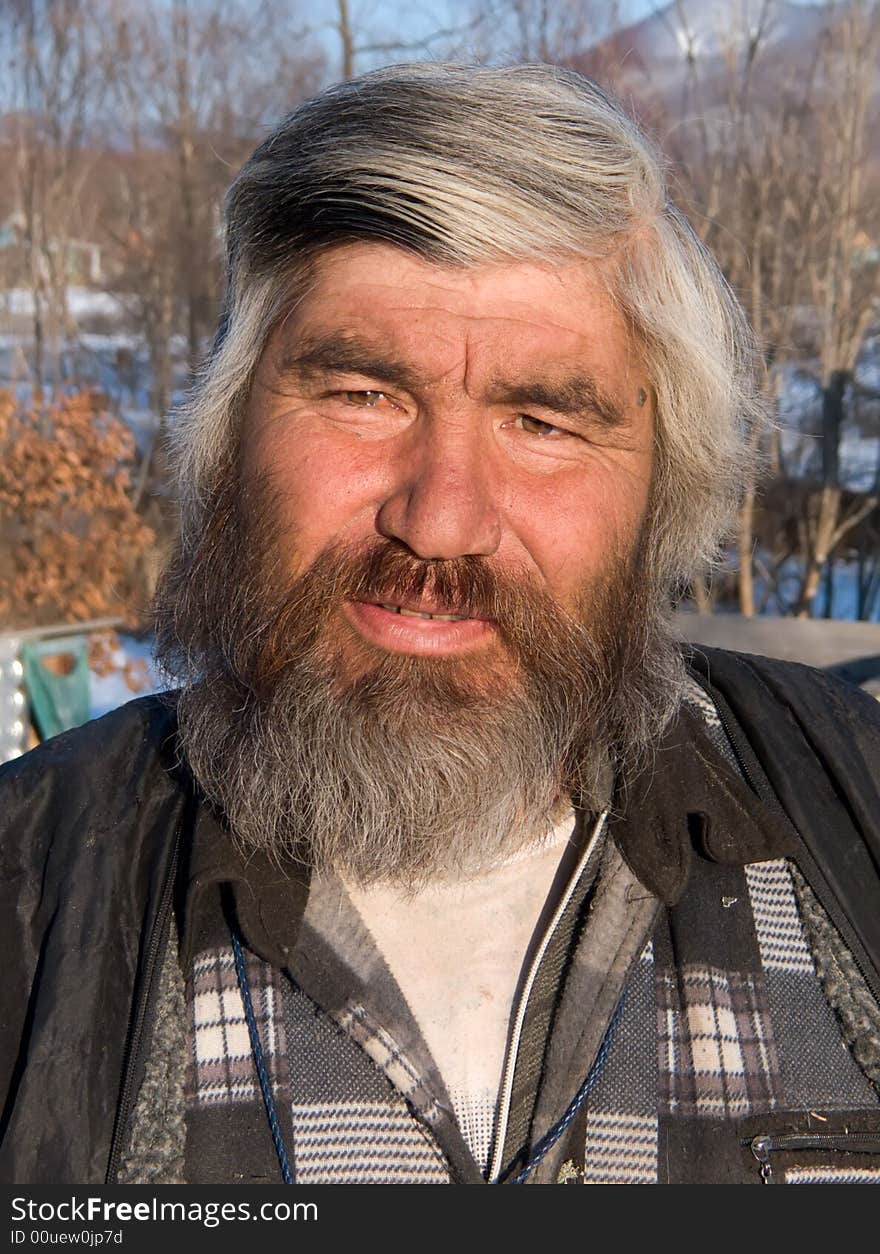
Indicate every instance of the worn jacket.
{"type": "Point", "coordinates": [99, 829]}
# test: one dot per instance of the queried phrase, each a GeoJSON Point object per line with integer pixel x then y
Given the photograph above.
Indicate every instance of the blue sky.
{"type": "Point", "coordinates": [387, 21]}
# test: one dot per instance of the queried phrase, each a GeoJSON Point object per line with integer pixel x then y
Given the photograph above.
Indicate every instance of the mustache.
{"type": "Point", "coordinates": [383, 571]}
{"type": "Point", "coordinates": [469, 586]}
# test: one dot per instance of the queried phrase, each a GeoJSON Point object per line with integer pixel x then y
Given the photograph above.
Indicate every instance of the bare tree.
{"type": "Point", "coordinates": [194, 87]}
{"type": "Point", "coordinates": [845, 290]}
{"type": "Point", "coordinates": [559, 32]}
{"type": "Point", "coordinates": [58, 86]}
{"type": "Point", "coordinates": [770, 165]}
{"type": "Point", "coordinates": [363, 42]}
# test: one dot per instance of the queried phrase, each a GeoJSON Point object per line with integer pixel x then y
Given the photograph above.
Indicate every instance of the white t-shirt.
{"type": "Point", "coordinates": [457, 951]}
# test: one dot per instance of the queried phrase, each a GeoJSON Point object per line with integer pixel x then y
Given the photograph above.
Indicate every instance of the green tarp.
{"type": "Point", "coordinates": [58, 702]}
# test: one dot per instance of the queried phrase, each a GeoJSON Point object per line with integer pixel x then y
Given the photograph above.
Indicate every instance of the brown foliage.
{"type": "Point", "coordinates": [106, 658]}
{"type": "Point", "coordinates": [72, 545]}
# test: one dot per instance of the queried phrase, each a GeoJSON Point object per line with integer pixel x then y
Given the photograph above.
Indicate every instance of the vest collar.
{"type": "Point", "coordinates": [691, 802]}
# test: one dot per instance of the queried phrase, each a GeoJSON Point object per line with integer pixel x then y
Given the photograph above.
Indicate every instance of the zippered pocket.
{"type": "Point", "coordinates": [764, 1145]}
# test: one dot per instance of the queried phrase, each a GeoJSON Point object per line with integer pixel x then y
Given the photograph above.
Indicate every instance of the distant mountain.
{"type": "Point", "coordinates": [710, 29]}
{"type": "Point", "coordinates": [691, 46]}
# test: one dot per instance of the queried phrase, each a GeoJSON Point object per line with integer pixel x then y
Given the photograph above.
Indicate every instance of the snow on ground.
{"type": "Point", "coordinates": [82, 302]}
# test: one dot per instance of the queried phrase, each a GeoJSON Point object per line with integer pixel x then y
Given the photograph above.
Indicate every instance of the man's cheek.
{"type": "Point", "coordinates": [322, 508]}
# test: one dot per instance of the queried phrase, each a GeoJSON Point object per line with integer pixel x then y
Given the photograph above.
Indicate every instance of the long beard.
{"type": "Point", "coordinates": [323, 749]}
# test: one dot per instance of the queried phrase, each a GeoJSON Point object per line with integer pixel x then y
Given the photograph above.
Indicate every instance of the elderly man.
{"type": "Point", "coordinates": [444, 862]}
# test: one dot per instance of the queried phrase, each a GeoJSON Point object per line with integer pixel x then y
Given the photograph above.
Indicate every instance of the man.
{"type": "Point", "coordinates": [443, 862]}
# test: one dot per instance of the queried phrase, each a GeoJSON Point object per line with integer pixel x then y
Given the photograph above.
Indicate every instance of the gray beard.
{"type": "Point", "coordinates": [405, 769]}
{"type": "Point", "coordinates": [384, 781]}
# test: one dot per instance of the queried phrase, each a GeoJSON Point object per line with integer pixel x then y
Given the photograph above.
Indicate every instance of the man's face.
{"type": "Point", "coordinates": [420, 610]}
{"type": "Point", "coordinates": [499, 412]}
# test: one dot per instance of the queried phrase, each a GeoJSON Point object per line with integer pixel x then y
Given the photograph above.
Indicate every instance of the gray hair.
{"type": "Point", "coordinates": [464, 165]}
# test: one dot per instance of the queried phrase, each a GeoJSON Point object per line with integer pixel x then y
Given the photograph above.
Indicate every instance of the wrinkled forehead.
{"type": "Point", "coordinates": [371, 302]}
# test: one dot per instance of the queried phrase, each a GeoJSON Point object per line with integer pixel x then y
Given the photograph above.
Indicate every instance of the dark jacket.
{"type": "Point", "coordinates": [98, 826]}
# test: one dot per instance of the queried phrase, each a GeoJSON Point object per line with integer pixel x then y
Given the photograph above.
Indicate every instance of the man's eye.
{"type": "Point", "coordinates": [536, 426]}
{"type": "Point", "coordinates": [367, 400]}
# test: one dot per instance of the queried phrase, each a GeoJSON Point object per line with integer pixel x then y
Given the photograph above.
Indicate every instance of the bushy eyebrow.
{"type": "Point", "coordinates": [318, 356]}
{"type": "Point", "coordinates": [574, 395]}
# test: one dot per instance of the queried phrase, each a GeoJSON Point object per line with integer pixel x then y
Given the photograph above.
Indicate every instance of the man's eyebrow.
{"type": "Point", "coordinates": [575, 395]}
{"type": "Point", "coordinates": [317, 356]}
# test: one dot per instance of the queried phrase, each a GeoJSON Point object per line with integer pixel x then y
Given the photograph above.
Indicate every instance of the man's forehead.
{"type": "Point", "coordinates": [369, 303]}
{"type": "Point", "coordinates": [394, 280]}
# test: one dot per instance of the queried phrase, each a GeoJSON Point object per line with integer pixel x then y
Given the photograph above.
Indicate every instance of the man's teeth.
{"type": "Point", "coordinates": [441, 618]}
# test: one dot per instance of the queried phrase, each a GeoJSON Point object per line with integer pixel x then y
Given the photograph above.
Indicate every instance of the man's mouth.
{"type": "Point", "coordinates": [418, 625]}
{"type": "Point", "coordinates": [408, 613]}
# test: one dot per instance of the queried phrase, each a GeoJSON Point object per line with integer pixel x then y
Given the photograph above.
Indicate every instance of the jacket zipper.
{"type": "Point", "coordinates": [765, 1144]}
{"type": "Point", "coordinates": [155, 946]}
{"type": "Point", "coordinates": [808, 864]}
{"type": "Point", "coordinates": [732, 735]}
{"type": "Point", "coordinates": [522, 1004]}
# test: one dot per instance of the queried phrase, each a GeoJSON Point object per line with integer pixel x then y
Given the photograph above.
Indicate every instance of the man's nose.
{"type": "Point", "coordinates": [443, 503]}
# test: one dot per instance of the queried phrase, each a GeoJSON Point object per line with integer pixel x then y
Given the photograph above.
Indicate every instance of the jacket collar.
{"type": "Point", "coordinates": [690, 801]}
{"type": "Point", "coordinates": [268, 898]}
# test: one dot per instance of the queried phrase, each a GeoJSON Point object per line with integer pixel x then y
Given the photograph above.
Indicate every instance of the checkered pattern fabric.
{"type": "Point", "coordinates": [833, 1175]}
{"type": "Point", "coordinates": [221, 1068]}
{"type": "Point", "coordinates": [342, 1142]}
{"type": "Point", "coordinates": [621, 1149]}
{"type": "Point", "coordinates": [822, 1072]}
{"type": "Point", "coordinates": [387, 1055]}
{"type": "Point", "coordinates": [351, 1123]}
{"type": "Point", "coordinates": [715, 1042]}
{"type": "Point", "coordinates": [724, 1045]}
{"type": "Point", "coordinates": [342, 1116]}
{"type": "Point", "coordinates": [700, 701]}
{"type": "Point", "coordinates": [780, 934]}
{"type": "Point", "coordinates": [475, 1116]}
{"type": "Point", "coordinates": [694, 1042]}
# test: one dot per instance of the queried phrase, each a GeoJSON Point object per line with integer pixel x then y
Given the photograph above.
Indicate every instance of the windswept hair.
{"type": "Point", "coordinates": [466, 165]}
